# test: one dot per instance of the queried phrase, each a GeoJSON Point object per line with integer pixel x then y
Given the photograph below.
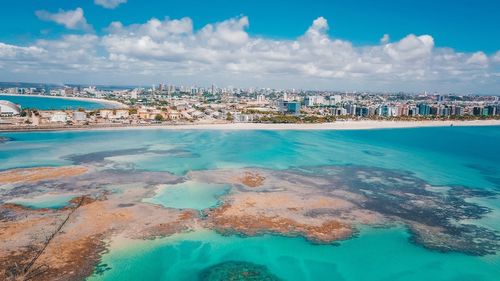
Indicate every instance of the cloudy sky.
{"type": "Point", "coordinates": [444, 46]}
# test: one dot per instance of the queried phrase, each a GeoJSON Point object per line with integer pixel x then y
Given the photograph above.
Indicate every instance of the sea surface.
{"type": "Point", "coordinates": [447, 156]}
{"type": "Point", "coordinates": [53, 103]}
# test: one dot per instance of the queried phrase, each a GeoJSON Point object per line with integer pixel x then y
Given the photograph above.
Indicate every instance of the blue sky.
{"type": "Point", "coordinates": [465, 27]}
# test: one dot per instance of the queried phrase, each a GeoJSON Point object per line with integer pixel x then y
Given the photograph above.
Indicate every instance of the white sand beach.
{"type": "Point", "coordinates": [338, 125]}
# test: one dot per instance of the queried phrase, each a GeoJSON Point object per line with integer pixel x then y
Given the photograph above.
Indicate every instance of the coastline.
{"type": "Point", "coordinates": [338, 125]}
{"type": "Point", "coordinates": [113, 104]}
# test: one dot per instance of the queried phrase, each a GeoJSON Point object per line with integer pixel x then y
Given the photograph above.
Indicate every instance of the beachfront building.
{"type": "Point", "coordinates": [79, 116]}
{"type": "Point", "coordinates": [339, 111]}
{"type": "Point", "coordinates": [8, 108]}
{"type": "Point", "coordinates": [58, 117]}
{"type": "Point", "coordinates": [173, 115]}
{"type": "Point", "coordinates": [114, 113]}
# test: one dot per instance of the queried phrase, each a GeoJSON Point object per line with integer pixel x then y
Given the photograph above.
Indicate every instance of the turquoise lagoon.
{"type": "Point", "coordinates": [456, 156]}
{"type": "Point", "coordinates": [188, 195]}
{"type": "Point", "coordinates": [52, 103]}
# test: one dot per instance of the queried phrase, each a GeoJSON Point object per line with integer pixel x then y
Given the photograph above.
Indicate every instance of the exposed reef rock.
{"type": "Point", "coordinates": [351, 195]}
{"type": "Point", "coordinates": [323, 204]}
{"type": "Point", "coordinates": [252, 179]}
{"type": "Point", "coordinates": [66, 243]}
{"type": "Point", "coordinates": [29, 175]}
{"type": "Point", "coordinates": [326, 232]}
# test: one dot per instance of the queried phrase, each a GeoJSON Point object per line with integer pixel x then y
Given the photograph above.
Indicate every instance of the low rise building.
{"type": "Point", "coordinates": [8, 108]}
{"type": "Point", "coordinates": [79, 116]}
{"type": "Point", "coordinates": [58, 117]}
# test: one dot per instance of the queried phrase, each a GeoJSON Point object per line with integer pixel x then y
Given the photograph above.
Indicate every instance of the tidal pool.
{"type": "Point", "coordinates": [49, 200]}
{"type": "Point", "coordinates": [188, 195]}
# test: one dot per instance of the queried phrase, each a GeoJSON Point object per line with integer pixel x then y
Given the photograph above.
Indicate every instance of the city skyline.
{"type": "Point", "coordinates": [331, 47]}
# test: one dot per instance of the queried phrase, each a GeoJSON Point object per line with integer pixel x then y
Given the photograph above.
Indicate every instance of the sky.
{"type": "Point", "coordinates": [446, 46]}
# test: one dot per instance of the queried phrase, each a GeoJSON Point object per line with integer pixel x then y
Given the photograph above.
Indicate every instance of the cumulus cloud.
{"type": "Point", "coordinates": [224, 52]}
{"type": "Point", "coordinates": [109, 4]}
{"type": "Point", "coordinates": [478, 58]}
{"type": "Point", "coordinates": [411, 48]}
{"type": "Point", "coordinates": [72, 19]}
{"type": "Point", "coordinates": [496, 57]}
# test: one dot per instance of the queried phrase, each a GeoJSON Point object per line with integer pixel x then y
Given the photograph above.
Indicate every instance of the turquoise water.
{"type": "Point", "coordinates": [382, 254]}
{"type": "Point", "coordinates": [464, 156]}
{"type": "Point", "coordinates": [442, 156]}
{"type": "Point", "coordinates": [51, 201]}
{"type": "Point", "coordinates": [47, 103]}
{"type": "Point", "coordinates": [188, 195]}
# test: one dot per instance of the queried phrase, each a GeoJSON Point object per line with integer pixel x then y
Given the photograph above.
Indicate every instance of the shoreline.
{"type": "Point", "coordinates": [113, 104]}
{"type": "Point", "coordinates": [338, 125]}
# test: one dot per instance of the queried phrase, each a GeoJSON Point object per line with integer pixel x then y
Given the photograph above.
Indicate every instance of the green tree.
{"type": "Point", "coordinates": [159, 117]}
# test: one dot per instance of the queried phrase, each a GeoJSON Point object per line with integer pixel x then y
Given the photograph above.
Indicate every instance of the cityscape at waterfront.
{"type": "Point", "coordinates": [173, 105]}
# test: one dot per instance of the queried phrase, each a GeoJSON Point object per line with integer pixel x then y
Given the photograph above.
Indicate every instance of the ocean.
{"type": "Point", "coordinates": [458, 160]}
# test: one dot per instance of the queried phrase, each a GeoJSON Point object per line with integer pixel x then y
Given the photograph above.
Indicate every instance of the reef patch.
{"type": "Point", "coordinates": [237, 271]}
{"type": "Point", "coordinates": [30, 175]}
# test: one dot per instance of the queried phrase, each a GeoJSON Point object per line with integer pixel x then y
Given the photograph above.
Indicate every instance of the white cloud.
{"type": "Point", "coordinates": [109, 4]}
{"type": "Point", "coordinates": [478, 58]}
{"type": "Point", "coordinates": [224, 53]}
{"type": "Point", "coordinates": [11, 51]}
{"type": "Point", "coordinates": [154, 28]}
{"type": "Point", "coordinates": [496, 57]}
{"type": "Point", "coordinates": [72, 19]}
{"type": "Point", "coordinates": [411, 48]}
{"type": "Point", "coordinates": [385, 39]}
{"type": "Point", "coordinates": [231, 32]}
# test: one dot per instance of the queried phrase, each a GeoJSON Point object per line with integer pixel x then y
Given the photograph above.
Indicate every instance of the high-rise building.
{"type": "Point", "coordinates": [459, 111]}
{"type": "Point", "coordinates": [446, 111]}
{"type": "Point", "coordinates": [424, 109]}
{"type": "Point", "coordinates": [476, 111]}
{"type": "Point", "coordinates": [362, 111]}
{"type": "Point", "coordinates": [350, 109]}
{"type": "Point", "coordinates": [491, 110]}
{"type": "Point", "coordinates": [293, 107]}
{"type": "Point", "coordinates": [289, 107]}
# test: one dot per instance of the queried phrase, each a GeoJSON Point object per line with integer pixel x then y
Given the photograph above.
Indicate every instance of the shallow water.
{"type": "Point", "coordinates": [448, 157]}
{"type": "Point", "coordinates": [442, 156]}
{"type": "Point", "coordinates": [51, 201]}
{"type": "Point", "coordinates": [188, 195]}
{"type": "Point", "coordinates": [378, 254]}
